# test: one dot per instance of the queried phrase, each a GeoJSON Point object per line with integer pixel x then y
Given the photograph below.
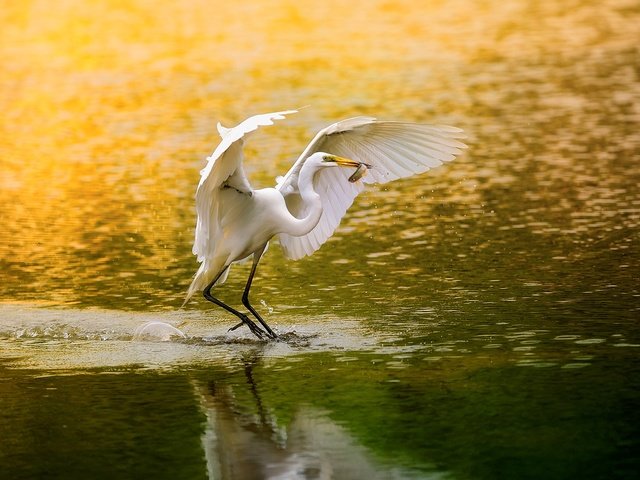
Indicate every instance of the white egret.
{"type": "Point", "coordinates": [304, 209]}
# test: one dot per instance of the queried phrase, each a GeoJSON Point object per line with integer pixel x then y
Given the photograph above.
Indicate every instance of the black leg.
{"type": "Point", "coordinates": [245, 296]}
{"type": "Point", "coordinates": [257, 331]}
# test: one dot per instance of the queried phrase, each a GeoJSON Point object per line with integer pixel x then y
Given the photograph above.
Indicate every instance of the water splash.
{"type": "Point", "coordinates": [157, 331]}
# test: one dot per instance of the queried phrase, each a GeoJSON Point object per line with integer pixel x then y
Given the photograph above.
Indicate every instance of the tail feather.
{"type": "Point", "coordinates": [203, 277]}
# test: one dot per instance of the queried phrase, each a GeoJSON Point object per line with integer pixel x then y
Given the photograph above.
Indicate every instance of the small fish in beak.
{"type": "Point", "coordinates": [359, 173]}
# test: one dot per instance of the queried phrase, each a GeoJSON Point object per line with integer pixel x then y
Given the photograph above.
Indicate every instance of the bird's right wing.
{"type": "Point", "coordinates": [224, 169]}
{"type": "Point", "coordinates": [393, 149]}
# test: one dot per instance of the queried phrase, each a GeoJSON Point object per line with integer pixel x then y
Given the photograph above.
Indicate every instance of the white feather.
{"type": "Point", "coordinates": [222, 130]}
{"type": "Point", "coordinates": [393, 149]}
{"type": "Point", "coordinates": [224, 168]}
{"type": "Point", "coordinates": [224, 196]}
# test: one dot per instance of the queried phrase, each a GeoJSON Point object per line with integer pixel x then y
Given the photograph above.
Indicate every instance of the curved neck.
{"type": "Point", "coordinates": [311, 200]}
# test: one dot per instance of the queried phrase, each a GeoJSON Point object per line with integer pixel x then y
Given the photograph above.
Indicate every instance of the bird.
{"type": "Point", "coordinates": [236, 222]}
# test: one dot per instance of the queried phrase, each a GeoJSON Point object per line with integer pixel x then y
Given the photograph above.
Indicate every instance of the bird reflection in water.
{"type": "Point", "coordinates": [243, 445]}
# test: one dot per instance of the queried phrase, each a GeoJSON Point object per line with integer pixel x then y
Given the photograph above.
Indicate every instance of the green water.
{"type": "Point", "coordinates": [475, 322]}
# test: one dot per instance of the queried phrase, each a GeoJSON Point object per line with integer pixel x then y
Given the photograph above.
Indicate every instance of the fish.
{"type": "Point", "coordinates": [359, 173]}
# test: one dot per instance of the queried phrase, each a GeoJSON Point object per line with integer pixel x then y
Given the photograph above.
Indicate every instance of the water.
{"type": "Point", "coordinates": [479, 321]}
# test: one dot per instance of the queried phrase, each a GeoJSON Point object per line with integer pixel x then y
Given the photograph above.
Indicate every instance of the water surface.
{"type": "Point", "coordinates": [479, 321]}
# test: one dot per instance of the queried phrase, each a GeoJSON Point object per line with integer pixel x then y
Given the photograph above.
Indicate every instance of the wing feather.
{"type": "Point", "coordinates": [224, 168]}
{"type": "Point", "coordinates": [393, 149]}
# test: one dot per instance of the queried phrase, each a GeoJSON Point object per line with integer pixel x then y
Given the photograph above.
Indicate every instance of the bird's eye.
{"type": "Point", "coordinates": [327, 158]}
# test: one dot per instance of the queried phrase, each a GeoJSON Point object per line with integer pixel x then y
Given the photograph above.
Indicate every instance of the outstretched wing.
{"type": "Point", "coordinates": [224, 169]}
{"type": "Point", "coordinates": [393, 149]}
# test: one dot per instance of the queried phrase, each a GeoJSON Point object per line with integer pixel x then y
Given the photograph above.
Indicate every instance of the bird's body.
{"type": "Point", "coordinates": [253, 218]}
{"type": "Point", "coordinates": [306, 206]}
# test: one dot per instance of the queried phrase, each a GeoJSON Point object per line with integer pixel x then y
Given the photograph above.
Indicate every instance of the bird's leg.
{"type": "Point", "coordinates": [257, 331]}
{"type": "Point", "coordinates": [245, 296]}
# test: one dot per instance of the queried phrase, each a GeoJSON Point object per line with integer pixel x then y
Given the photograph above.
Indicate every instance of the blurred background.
{"type": "Point", "coordinates": [483, 315]}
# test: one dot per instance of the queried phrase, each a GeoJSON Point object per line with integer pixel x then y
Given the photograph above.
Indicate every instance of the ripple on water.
{"type": "Point", "coordinates": [575, 365]}
{"type": "Point", "coordinates": [590, 341]}
{"type": "Point", "coordinates": [169, 338]}
{"type": "Point", "coordinates": [535, 363]}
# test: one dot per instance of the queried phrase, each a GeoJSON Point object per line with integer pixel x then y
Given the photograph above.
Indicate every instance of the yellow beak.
{"type": "Point", "coordinates": [345, 162]}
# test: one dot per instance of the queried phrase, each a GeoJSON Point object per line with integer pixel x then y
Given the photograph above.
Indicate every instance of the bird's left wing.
{"type": "Point", "coordinates": [393, 149]}
{"type": "Point", "coordinates": [224, 168]}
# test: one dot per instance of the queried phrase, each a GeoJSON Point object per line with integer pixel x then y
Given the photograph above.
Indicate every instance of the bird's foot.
{"type": "Point", "coordinates": [235, 327]}
{"type": "Point", "coordinates": [255, 329]}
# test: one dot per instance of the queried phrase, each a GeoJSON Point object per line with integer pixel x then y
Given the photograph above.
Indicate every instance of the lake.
{"type": "Point", "coordinates": [479, 321]}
